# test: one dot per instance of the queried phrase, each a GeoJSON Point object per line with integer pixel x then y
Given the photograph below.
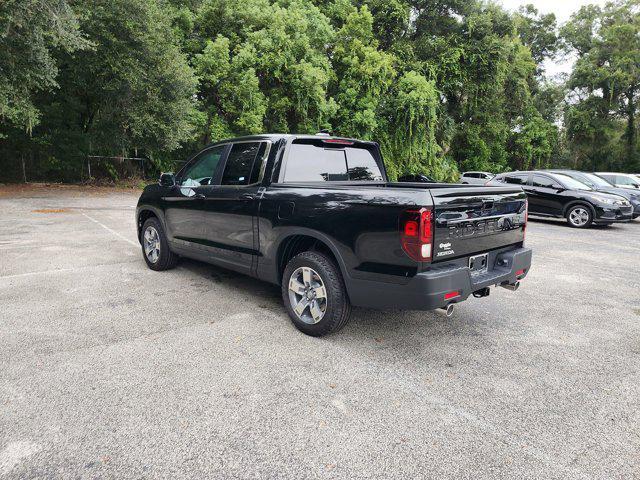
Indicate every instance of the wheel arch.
{"type": "Point", "coordinates": [302, 240]}
{"type": "Point", "coordinates": [143, 214]}
{"type": "Point", "coordinates": [575, 203]}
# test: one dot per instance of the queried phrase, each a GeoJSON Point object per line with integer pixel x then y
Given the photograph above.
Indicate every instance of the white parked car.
{"type": "Point", "coordinates": [476, 178]}
{"type": "Point", "coordinates": [623, 180]}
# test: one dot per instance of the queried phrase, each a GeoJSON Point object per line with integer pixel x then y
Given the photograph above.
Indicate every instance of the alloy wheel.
{"type": "Point", "coordinates": [308, 295]}
{"type": "Point", "coordinates": [151, 244]}
{"type": "Point", "coordinates": [579, 216]}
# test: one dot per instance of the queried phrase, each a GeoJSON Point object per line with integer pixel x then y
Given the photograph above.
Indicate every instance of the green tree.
{"type": "Point", "coordinates": [30, 33]}
{"type": "Point", "coordinates": [132, 92]}
{"type": "Point", "coordinates": [605, 85]}
{"type": "Point", "coordinates": [362, 74]}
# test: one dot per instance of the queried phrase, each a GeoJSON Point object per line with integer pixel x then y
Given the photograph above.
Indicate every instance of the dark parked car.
{"type": "Point", "coordinates": [419, 178]}
{"type": "Point", "coordinates": [601, 185]}
{"type": "Point", "coordinates": [557, 195]}
{"type": "Point", "coordinates": [316, 215]}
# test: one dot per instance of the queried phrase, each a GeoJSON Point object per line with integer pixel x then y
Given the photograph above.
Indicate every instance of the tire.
{"type": "Point", "coordinates": [579, 216]}
{"type": "Point", "coordinates": [161, 258]}
{"type": "Point", "coordinates": [306, 278]}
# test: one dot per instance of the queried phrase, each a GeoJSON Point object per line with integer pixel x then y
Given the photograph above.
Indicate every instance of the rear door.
{"type": "Point", "coordinates": [471, 220]}
{"type": "Point", "coordinates": [230, 206]}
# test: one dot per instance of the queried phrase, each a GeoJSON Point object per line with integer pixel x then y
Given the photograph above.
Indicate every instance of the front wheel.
{"type": "Point", "coordinates": [155, 247]}
{"type": "Point", "coordinates": [579, 216]}
{"type": "Point", "coordinates": [314, 294]}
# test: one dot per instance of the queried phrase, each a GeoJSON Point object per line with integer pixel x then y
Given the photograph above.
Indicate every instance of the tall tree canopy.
{"type": "Point", "coordinates": [30, 31]}
{"type": "Point", "coordinates": [443, 85]}
{"type": "Point", "coordinates": [601, 118]}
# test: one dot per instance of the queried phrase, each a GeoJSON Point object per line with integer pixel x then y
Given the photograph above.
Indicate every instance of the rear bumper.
{"type": "Point", "coordinates": [426, 290]}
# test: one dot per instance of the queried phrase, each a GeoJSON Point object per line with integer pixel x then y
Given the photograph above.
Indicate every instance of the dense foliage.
{"type": "Point", "coordinates": [442, 85]}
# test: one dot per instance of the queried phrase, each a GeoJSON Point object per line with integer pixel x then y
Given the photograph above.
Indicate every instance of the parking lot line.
{"type": "Point", "coordinates": [62, 270]}
{"type": "Point", "coordinates": [122, 237]}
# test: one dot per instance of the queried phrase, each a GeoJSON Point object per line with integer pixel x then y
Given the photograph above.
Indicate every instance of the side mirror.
{"type": "Point", "coordinates": [167, 179]}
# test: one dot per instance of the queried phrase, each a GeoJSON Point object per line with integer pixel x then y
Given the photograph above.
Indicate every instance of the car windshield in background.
{"type": "Point", "coordinates": [571, 183]}
{"type": "Point", "coordinates": [315, 161]}
{"type": "Point", "coordinates": [597, 181]}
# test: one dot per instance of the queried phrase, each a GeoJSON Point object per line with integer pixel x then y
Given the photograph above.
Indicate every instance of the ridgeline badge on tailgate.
{"type": "Point", "coordinates": [485, 227]}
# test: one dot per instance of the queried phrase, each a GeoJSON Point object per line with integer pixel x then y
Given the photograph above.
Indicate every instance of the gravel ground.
{"type": "Point", "coordinates": [110, 370]}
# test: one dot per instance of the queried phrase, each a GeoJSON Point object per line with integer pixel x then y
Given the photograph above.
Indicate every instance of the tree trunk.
{"type": "Point", "coordinates": [630, 134]}
{"type": "Point", "coordinates": [24, 170]}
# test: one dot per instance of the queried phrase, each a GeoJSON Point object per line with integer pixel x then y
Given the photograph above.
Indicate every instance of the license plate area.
{"type": "Point", "coordinates": [479, 264]}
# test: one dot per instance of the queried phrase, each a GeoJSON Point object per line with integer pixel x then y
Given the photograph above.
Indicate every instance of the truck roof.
{"type": "Point", "coordinates": [288, 136]}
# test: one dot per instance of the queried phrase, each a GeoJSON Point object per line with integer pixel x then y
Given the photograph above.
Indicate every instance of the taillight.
{"type": "Point", "coordinates": [416, 234]}
{"type": "Point", "coordinates": [526, 219]}
{"type": "Point", "coordinates": [338, 141]}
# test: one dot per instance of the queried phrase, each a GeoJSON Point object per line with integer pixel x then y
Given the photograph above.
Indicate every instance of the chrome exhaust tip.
{"type": "Point", "coordinates": [511, 286]}
{"type": "Point", "coordinates": [446, 311]}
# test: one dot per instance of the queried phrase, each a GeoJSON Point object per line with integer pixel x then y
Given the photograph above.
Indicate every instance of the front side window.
{"type": "Point", "coordinates": [315, 162]}
{"type": "Point", "coordinates": [622, 180]}
{"type": "Point", "coordinates": [542, 181]}
{"type": "Point", "coordinates": [201, 169]}
{"type": "Point", "coordinates": [243, 163]}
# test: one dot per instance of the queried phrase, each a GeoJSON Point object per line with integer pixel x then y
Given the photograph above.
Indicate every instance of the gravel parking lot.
{"type": "Point", "coordinates": [110, 370]}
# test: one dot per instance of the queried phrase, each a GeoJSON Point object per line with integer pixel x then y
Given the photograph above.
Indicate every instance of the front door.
{"type": "Point", "coordinates": [230, 208]}
{"type": "Point", "coordinates": [543, 195]}
{"type": "Point", "coordinates": [184, 202]}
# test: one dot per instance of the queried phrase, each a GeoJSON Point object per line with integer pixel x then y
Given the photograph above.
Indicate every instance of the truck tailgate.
{"type": "Point", "coordinates": [471, 220]}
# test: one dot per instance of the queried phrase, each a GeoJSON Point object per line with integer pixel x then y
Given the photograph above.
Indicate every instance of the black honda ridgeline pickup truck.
{"type": "Point", "coordinates": [317, 215]}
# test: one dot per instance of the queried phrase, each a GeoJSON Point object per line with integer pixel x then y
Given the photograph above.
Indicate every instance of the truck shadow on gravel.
{"type": "Point", "coordinates": [372, 324]}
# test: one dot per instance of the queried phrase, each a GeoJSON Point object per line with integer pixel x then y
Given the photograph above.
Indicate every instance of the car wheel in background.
{"type": "Point", "coordinates": [579, 216]}
{"type": "Point", "coordinates": [155, 248]}
{"type": "Point", "coordinates": [314, 294]}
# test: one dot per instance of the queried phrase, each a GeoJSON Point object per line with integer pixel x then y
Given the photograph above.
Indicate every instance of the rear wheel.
{"type": "Point", "coordinates": [579, 216]}
{"type": "Point", "coordinates": [314, 294]}
{"type": "Point", "coordinates": [155, 247]}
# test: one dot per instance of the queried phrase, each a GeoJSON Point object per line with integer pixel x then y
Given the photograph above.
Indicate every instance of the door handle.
{"type": "Point", "coordinates": [199, 196]}
{"type": "Point", "coordinates": [247, 196]}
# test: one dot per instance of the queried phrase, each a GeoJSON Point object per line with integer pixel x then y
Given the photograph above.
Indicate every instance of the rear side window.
{"type": "Point", "coordinates": [515, 179]}
{"type": "Point", "coordinates": [315, 162]}
{"type": "Point", "coordinates": [471, 175]}
{"type": "Point", "coordinates": [243, 163]}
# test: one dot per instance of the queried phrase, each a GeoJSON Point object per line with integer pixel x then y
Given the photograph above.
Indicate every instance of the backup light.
{"type": "Point", "coordinates": [416, 234]}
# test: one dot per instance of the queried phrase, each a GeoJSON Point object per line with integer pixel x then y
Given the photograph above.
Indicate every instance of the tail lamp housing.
{"type": "Point", "coordinates": [526, 219]}
{"type": "Point", "coordinates": [416, 234]}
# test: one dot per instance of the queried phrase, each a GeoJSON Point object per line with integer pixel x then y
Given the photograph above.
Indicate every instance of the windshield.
{"type": "Point", "coordinates": [596, 180]}
{"type": "Point", "coordinates": [572, 183]}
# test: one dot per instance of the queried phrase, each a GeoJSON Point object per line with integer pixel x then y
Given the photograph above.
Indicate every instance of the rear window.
{"type": "Point", "coordinates": [313, 161]}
